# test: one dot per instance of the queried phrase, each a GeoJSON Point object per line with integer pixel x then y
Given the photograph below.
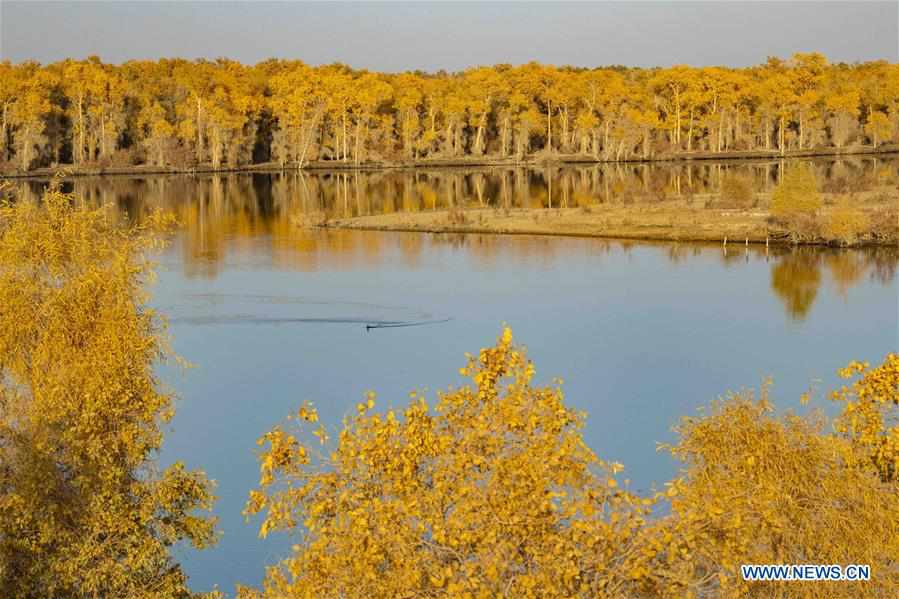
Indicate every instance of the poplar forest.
{"type": "Point", "coordinates": [179, 114]}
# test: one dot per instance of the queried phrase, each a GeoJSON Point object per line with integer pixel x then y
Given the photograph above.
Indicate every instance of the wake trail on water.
{"type": "Point", "coordinates": [248, 319]}
{"type": "Point", "coordinates": [198, 303]}
{"type": "Point", "coordinates": [393, 325]}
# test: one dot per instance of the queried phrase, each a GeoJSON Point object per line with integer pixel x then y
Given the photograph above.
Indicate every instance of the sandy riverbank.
{"type": "Point", "coordinates": [671, 222]}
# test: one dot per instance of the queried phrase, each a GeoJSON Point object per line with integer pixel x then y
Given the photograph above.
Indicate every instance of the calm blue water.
{"type": "Point", "coordinates": [642, 334]}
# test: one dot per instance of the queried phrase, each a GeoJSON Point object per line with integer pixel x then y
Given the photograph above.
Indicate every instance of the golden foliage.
{"type": "Point", "coordinates": [870, 415]}
{"type": "Point", "coordinates": [83, 510]}
{"type": "Point", "coordinates": [879, 127]}
{"type": "Point", "coordinates": [736, 192]}
{"type": "Point", "coordinates": [797, 193]}
{"type": "Point", "coordinates": [175, 112]}
{"type": "Point", "coordinates": [761, 489]}
{"type": "Point", "coordinates": [493, 493]}
{"type": "Point", "coordinates": [845, 224]}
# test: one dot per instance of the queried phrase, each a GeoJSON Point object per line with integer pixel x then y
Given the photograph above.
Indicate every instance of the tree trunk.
{"type": "Point", "coordinates": [504, 149]}
{"type": "Point", "coordinates": [720, 131]}
{"type": "Point", "coordinates": [690, 132]}
{"type": "Point", "coordinates": [677, 120]}
{"type": "Point", "coordinates": [549, 127]}
{"type": "Point", "coordinates": [344, 136]}
{"type": "Point", "coordinates": [605, 141]}
{"type": "Point", "coordinates": [358, 139]}
{"type": "Point", "coordinates": [783, 121]}
{"type": "Point", "coordinates": [801, 128]}
{"type": "Point", "coordinates": [199, 131]}
{"type": "Point", "coordinates": [216, 147]}
{"type": "Point", "coordinates": [102, 133]}
{"type": "Point", "coordinates": [477, 139]}
{"type": "Point", "coordinates": [407, 137]}
{"type": "Point", "coordinates": [91, 146]}
{"type": "Point", "coordinates": [26, 148]}
{"type": "Point", "coordinates": [310, 131]}
{"type": "Point", "coordinates": [3, 135]}
{"type": "Point", "coordinates": [79, 155]}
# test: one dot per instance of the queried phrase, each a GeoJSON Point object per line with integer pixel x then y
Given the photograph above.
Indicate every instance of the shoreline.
{"type": "Point", "coordinates": [533, 161]}
{"type": "Point", "coordinates": [723, 227]}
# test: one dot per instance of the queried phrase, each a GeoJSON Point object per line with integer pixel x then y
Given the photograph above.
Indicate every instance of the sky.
{"type": "Point", "coordinates": [398, 36]}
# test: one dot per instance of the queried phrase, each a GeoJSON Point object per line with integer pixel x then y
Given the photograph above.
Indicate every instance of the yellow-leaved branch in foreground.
{"type": "Point", "coordinates": [492, 492]}
{"type": "Point", "coordinates": [84, 512]}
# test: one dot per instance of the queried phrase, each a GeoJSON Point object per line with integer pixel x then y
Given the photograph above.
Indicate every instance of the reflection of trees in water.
{"type": "Point", "coordinates": [219, 212]}
{"type": "Point", "coordinates": [846, 270]}
{"type": "Point", "coordinates": [884, 262]}
{"type": "Point", "coordinates": [365, 193]}
{"type": "Point", "coordinates": [795, 279]}
{"type": "Point", "coordinates": [796, 275]}
{"type": "Point", "coordinates": [359, 193]}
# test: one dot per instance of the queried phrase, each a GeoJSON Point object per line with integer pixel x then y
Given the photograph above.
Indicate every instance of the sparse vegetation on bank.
{"type": "Point", "coordinates": [841, 224]}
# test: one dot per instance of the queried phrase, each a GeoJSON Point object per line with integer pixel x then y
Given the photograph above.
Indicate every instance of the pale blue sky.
{"type": "Point", "coordinates": [396, 36]}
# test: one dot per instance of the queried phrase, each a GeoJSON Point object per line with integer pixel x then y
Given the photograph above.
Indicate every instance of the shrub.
{"type": "Point", "coordinates": [885, 224]}
{"type": "Point", "coordinates": [736, 192]}
{"type": "Point", "coordinates": [845, 224]}
{"type": "Point", "coordinates": [456, 216]}
{"type": "Point", "coordinates": [797, 193]}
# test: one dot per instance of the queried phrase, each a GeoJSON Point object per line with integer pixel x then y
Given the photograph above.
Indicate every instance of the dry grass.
{"type": "Point", "coordinates": [681, 220]}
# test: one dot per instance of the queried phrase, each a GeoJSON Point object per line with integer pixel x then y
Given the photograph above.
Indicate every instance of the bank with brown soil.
{"type": "Point", "coordinates": [650, 223]}
{"type": "Point", "coordinates": [530, 161]}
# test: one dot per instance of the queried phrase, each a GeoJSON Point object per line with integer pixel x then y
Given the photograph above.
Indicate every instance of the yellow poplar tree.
{"type": "Point", "coordinates": [797, 193]}
{"type": "Point", "coordinates": [758, 488]}
{"type": "Point", "coordinates": [870, 416]}
{"type": "Point", "coordinates": [491, 492]}
{"type": "Point", "coordinates": [84, 512]}
{"type": "Point", "coordinates": [879, 127]}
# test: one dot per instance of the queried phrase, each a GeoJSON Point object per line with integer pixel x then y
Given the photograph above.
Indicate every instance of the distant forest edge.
{"type": "Point", "coordinates": [179, 115]}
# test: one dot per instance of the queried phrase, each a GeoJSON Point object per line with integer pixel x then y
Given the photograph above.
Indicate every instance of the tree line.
{"type": "Point", "coordinates": [222, 114]}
